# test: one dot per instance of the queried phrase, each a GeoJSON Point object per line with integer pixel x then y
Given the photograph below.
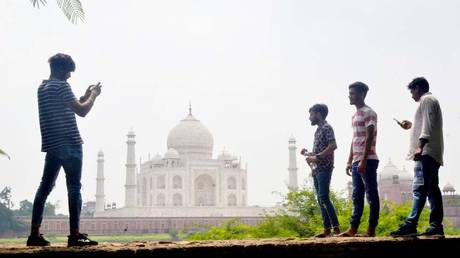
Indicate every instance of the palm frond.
{"type": "Point", "coordinates": [72, 9]}
{"type": "Point", "coordinates": [37, 3]}
{"type": "Point", "coordinates": [4, 154]}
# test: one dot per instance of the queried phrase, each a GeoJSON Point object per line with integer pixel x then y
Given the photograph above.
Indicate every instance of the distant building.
{"type": "Point", "coordinates": [88, 209]}
{"type": "Point", "coordinates": [395, 184]}
{"type": "Point", "coordinates": [185, 182]}
{"type": "Point", "coordinates": [451, 203]}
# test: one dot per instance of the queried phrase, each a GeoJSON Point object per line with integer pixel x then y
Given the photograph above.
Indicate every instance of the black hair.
{"type": "Point", "coordinates": [360, 87]}
{"type": "Point", "coordinates": [320, 108]}
{"type": "Point", "coordinates": [419, 83]}
{"type": "Point", "coordinates": [61, 63]}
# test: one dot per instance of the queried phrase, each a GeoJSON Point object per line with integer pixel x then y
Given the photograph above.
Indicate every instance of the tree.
{"type": "Point", "coordinates": [8, 222]}
{"type": "Point", "coordinates": [72, 9]}
{"type": "Point", "coordinates": [25, 208]}
{"type": "Point", "coordinates": [301, 217]}
{"type": "Point", "coordinates": [5, 197]}
{"type": "Point", "coordinates": [50, 209]}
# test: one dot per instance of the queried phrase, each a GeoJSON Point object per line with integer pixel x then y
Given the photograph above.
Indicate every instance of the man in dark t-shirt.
{"type": "Point", "coordinates": [62, 143]}
{"type": "Point", "coordinates": [323, 156]}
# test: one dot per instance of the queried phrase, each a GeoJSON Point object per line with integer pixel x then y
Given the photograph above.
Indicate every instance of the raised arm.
{"type": "Point", "coordinates": [83, 106]}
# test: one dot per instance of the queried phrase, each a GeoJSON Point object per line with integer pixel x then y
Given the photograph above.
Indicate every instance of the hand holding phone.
{"type": "Point", "coordinates": [406, 125]}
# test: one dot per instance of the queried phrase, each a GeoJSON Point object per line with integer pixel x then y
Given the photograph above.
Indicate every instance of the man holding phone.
{"type": "Point", "coordinates": [426, 149]}
{"type": "Point", "coordinates": [62, 143]}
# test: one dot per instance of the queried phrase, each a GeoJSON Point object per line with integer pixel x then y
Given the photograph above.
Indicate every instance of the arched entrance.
{"type": "Point", "coordinates": [205, 191]}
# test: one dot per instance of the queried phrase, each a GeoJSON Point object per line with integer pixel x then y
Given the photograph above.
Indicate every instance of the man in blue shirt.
{"type": "Point", "coordinates": [62, 143]}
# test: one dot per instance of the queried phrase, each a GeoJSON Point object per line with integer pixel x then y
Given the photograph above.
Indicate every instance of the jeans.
{"type": "Point", "coordinates": [365, 183]}
{"type": "Point", "coordinates": [322, 180]}
{"type": "Point", "coordinates": [70, 158]}
{"type": "Point", "coordinates": [425, 185]}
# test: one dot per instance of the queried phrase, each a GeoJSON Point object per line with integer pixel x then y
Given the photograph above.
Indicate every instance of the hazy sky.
{"type": "Point", "coordinates": [251, 69]}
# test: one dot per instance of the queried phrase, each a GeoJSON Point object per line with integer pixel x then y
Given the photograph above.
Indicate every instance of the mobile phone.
{"type": "Point", "coordinates": [399, 123]}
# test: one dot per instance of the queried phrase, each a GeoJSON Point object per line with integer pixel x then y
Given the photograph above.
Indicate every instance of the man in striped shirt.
{"type": "Point", "coordinates": [62, 143]}
{"type": "Point", "coordinates": [363, 162]}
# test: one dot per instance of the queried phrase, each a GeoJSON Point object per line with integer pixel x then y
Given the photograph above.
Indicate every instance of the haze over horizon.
{"type": "Point", "coordinates": [250, 68]}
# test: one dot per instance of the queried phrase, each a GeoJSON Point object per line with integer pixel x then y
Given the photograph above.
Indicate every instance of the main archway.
{"type": "Point", "coordinates": [205, 191]}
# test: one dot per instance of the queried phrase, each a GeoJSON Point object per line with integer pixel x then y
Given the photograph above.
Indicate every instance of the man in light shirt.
{"type": "Point", "coordinates": [426, 149]}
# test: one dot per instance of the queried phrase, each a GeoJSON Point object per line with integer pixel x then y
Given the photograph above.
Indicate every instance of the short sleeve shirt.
{"type": "Point", "coordinates": [58, 125]}
{"type": "Point", "coordinates": [324, 135]}
{"type": "Point", "coordinates": [362, 119]}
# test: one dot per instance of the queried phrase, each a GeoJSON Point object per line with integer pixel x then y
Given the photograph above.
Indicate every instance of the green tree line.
{"type": "Point", "coordinates": [300, 217]}
{"type": "Point", "coordinates": [9, 221]}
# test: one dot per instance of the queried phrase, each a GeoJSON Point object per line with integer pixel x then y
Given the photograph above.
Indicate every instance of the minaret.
{"type": "Point", "coordinates": [292, 185]}
{"type": "Point", "coordinates": [100, 196]}
{"type": "Point", "coordinates": [130, 185]}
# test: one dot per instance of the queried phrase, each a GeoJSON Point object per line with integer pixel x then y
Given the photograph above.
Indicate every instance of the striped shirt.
{"type": "Point", "coordinates": [363, 118]}
{"type": "Point", "coordinates": [58, 125]}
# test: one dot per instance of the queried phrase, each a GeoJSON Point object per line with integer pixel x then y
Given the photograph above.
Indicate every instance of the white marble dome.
{"type": "Point", "coordinates": [191, 138]}
{"type": "Point", "coordinates": [390, 170]}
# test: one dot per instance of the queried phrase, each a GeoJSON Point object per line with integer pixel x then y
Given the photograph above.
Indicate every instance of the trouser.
{"type": "Point", "coordinates": [70, 158]}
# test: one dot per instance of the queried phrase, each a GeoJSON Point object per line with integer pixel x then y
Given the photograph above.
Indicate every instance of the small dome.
{"type": "Point", "coordinates": [172, 154]}
{"type": "Point", "coordinates": [448, 188]}
{"type": "Point", "coordinates": [100, 154]}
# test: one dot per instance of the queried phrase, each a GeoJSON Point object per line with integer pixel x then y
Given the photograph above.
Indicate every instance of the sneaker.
{"type": "Point", "coordinates": [37, 241]}
{"type": "Point", "coordinates": [435, 232]}
{"type": "Point", "coordinates": [80, 239]}
{"type": "Point", "coordinates": [405, 231]}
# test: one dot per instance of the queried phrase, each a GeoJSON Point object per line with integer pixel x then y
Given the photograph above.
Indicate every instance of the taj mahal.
{"type": "Point", "coordinates": [185, 182]}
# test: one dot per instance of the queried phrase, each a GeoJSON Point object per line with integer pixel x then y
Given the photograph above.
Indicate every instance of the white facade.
{"type": "Point", "coordinates": [186, 181]}
{"type": "Point", "coordinates": [188, 176]}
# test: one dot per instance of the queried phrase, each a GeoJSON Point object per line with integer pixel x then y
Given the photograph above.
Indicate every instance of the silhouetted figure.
{"type": "Point", "coordinates": [323, 156]}
{"type": "Point", "coordinates": [426, 149]}
{"type": "Point", "coordinates": [62, 143]}
{"type": "Point", "coordinates": [363, 162]}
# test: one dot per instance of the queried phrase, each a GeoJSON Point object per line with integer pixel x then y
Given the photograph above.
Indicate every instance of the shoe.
{"type": "Point", "coordinates": [405, 231]}
{"type": "Point", "coordinates": [80, 239]}
{"type": "Point", "coordinates": [37, 241]}
{"type": "Point", "coordinates": [434, 232]}
{"type": "Point", "coordinates": [326, 233]}
{"type": "Point", "coordinates": [351, 232]}
{"type": "Point", "coordinates": [369, 233]}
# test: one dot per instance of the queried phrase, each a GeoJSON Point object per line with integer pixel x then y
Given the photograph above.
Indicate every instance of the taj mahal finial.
{"type": "Point", "coordinates": [190, 108]}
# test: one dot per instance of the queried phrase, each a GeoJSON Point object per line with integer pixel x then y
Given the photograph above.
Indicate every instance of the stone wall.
{"type": "Point", "coordinates": [119, 226]}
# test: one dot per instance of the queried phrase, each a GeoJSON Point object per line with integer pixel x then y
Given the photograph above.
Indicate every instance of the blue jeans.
{"type": "Point", "coordinates": [70, 158]}
{"type": "Point", "coordinates": [426, 184]}
{"type": "Point", "coordinates": [365, 184]}
{"type": "Point", "coordinates": [322, 181]}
